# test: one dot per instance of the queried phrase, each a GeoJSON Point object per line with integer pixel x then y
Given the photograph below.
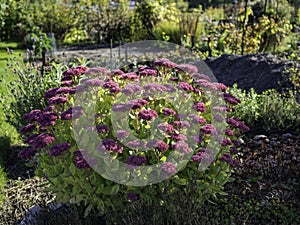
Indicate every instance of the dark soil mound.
{"type": "Point", "coordinates": [260, 71]}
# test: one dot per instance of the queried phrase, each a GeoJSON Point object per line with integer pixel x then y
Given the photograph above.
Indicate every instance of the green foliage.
{"type": "Point", "coordinates": [24, 91]}
{"type": "Point", "coordinates": [167, 31]}
{"type": "Point", "coordinates": [38, 42]}
{"type": "Point", "coordinates": [269, 111]}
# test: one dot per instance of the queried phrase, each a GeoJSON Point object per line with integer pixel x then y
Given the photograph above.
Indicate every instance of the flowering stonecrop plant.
{"type": "Point", "coordinates": [108, 138]}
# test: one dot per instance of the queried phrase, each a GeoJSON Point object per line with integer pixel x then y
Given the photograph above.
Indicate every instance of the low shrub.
{"type": "Point", "coordinates": [24, 90]}
{"type": "Point", "coordinates": [90, 140]}
{"type": "Point", "coordinates": [269, 111]}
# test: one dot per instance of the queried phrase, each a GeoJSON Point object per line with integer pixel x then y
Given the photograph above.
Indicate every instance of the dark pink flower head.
{"type": "Point", "coordinates": [164, 62]}
{"type": "Point", "coordinates": [208, 129]}
{"type": "Point", "coordinates": [93, 82]}
{"type": "Point", "coordinates": [28, 128]}
{"type": "Point", "coordinates": [233, 122]}
{"type": "Point", "coordinates": [42, 140]}
{"type": "Point", "coordinates": [132, 197]}
{"type": "Point", "coordinates": [50, 93]}
{"type": "Point", "coordinates": [169, 88]}
{"type": "Point", "coordinates": [182, 147]}
{"type": "Point", "coordinates": [116, 72]}
{"type": "Point", "coordinates": [168, 112]}
{"type": "Point", "coordinates": [187, 68]}
{"type": "Point", "coordinates": [148, 114]}
{"type": "Point", "coordinates": [63, 90]}
{"type": "Point", "coordinates": [33, 115]}
{"type": "Point", "coordinates": [67, 83]}
{"type": "Point", "coordinates": [30, 139]}
{"type": "Point", "coordinates": [49, 108]}
{"type": "Point", "coordinates": [78, 89]}
{"type": "Point", "coordinates": [203, 154]}
{"type": "Point", "coordinates": [73, 112]}
{"type": "Point", "coordinates": [135, 144]}
{"type": "Point", "coordinates": [233, 150]}
{"type": "Point", "coordinates": [153, 88]}
{"type": "Point", "coordinates": [219, 118]}
{"type": "Point", "coordinates": [135, 160]}
{"type": "Point", "coordinates": [27, 152]}
{"type": "Point", "coordinates": [121, 107]}
{"type": "Point", "coordinates": [129, 76]}
{"type": "Point", "coordinates": [112, 86]}
{"type": "Point", "coordinates": [57, 100]}
{"type": "Point", "coordinates": [58, 149]}
{"type": "Point", "coordinates": [196, 119]}
{"type": "Point", "coordinates": [178, 137]}
{"type": "Point", "coordinates": [198, 76]}
{"type": "Point", "coordinates": [166, 128]}
{"type": "Point", "coordinates": [231, 99]}
{"type": "Point", "coordinates": [112, 145]}
{"type": "Point", "coordinates": [229, 132]}
{"type": "Point", "coordinates": [168, 169]}
{"type": "Point", "coordinates": [221, 108]}
{"type": "Point", "coordinates": [47, 119]}
{"type": "Point", "coordinates": [221, 86]}
{"type": "Point", "coordinates": [96, 72]}
{"type": "Point", "coordinates": [79, 160]}
{"type": "Point", "coordinates": [198, 138]}
{"type": "Point", "coordinates": [227, 158]}
{"type": "Point", "coordinates": [132, 89]}
{"type": "Point", "coordinates": [137, 103]}
{"type": "Point", "coordinates": [181, 124]}
{"type": "Point", "coordinates": [200, 106]}
{"type": "Point", "coordinates": [147, 71]}
{"type": "Point", "coordinates": [185, 86]}
{"type": "Point", "coordinates": [160, 145]}
{"type": "Point", "coordinates": [122, 134]}
{"type": "Point", "coordinates": [102, 129]}
{"type": "Point", "coordinates": [226, 142]}
{"type": "Point", "coordinates": [75, 71]}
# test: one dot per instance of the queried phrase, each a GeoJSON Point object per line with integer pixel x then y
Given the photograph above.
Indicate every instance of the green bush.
{"type": "Point", "coordinates": [24, 91]}
{"type": "Point", "coordinates": [167, 31]}
{"type": "Point", "coordinates": [269, 111]}
{"type": "Point", "coordinates": [63, 147]}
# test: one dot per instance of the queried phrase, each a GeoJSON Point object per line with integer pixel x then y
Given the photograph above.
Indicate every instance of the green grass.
{"type": "Point", "coordinates": [8, 134]}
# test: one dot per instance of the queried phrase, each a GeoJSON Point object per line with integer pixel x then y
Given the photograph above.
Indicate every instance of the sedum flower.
{"type": "Point", "coordinates": [28, 128]}
{"type": "Point", "coordinates": [33, 115]}
{"type": "Point", "coordinates": [200, 106]}
{"type": "Point", "coordinates": [73, 112]}
{"type": "Point", "coordinates": [112, 145]}
{"type": "Point", "coordinates": [136, 160]}
{"type": "Point", "coordinates": [168, 168]}
{"type": "Point", "coordinates": [57, 100]}
{"type": "Point", "coordinates": [79, 160]}
{"type": "Point", "coordinates": [164, 62]}
{"type": "Point", "coordinates": [27, 152]}
{"type": "Point", "coordinates": [58, 149]}
{"type": "Point", "coordinates": [187, 68]}
{"type": "Point", "coordinates": [148, 114]}
{"type": "Point", "coordinates": [42, 140]}
{"type": "Point", "coordinates": [168, 112]}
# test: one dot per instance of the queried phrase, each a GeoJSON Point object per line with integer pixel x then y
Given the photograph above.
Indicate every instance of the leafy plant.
{"type": "Point", "coordinates": [269, 111]}
{"type": "Point", "coordinates": [25, 91]}
{"type": "Point", "coordinates": [64, 150]}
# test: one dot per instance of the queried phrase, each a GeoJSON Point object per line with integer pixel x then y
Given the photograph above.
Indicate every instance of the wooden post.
{"type": "Point", "coordinates": [43, 60]}
{"type": "Point", "coordinates": [193, 41]}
